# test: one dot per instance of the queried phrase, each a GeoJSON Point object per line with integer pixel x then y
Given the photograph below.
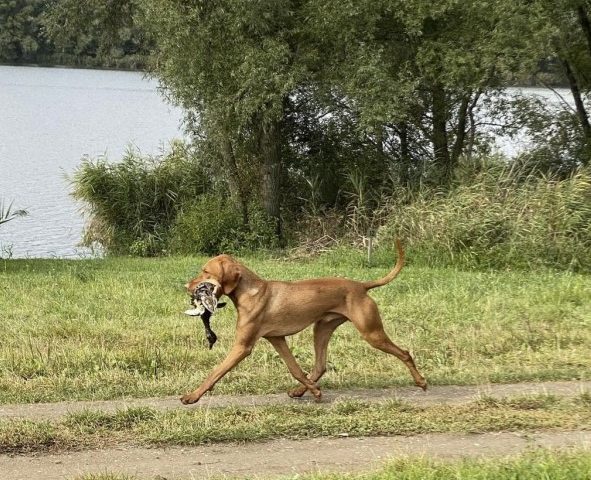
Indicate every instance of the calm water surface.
{"type": "Point", "coordinates": [49, 119]}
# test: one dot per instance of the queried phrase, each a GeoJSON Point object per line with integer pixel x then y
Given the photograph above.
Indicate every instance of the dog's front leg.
{"type": "Point", "coordinates": [241, 349]}
{"type": "Point", "coordinates": [236, 355]}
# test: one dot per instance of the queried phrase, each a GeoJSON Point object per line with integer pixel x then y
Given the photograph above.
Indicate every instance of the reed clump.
{"type": "Point", "coordinates": [132, 204]}
{"type": "Point", "coordinates": [500, 218]}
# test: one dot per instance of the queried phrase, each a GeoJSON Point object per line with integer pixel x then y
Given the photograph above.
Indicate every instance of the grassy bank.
{"type": "Point", "coordinates": [108, 328]}
{"type": "Point", "coordinates": [146, 426]}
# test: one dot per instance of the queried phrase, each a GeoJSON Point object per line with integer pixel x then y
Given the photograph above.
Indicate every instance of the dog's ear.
{"type": "Point", "coordinates": [231, 276]}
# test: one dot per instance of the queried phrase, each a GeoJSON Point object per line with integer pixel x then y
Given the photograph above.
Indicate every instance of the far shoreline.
{"type": "Point", "coordinates": [75, 67]}
{"type": "Point", "coordinates": [145, 71]}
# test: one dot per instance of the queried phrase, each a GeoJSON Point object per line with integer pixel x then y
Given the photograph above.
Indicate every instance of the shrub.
{"type": "Point", "coordinates": [500, 219]}
{"type": "Point", "coordinates": [212, 225]}
{"type": "Point", "coordinates": [132, 204]}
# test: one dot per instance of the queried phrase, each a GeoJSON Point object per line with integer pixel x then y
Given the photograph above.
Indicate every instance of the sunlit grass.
{"type": "Point", "coordinates": [114, 327]}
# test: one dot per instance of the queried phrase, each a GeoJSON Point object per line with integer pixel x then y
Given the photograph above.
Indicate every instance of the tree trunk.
{"type": "Point", "coordinates": [580, 106]}
{"type": "Point", "coordinates": [472, 128]}
{"type": "Point", "coordinates": [460, 130]}
{"type": "Point", "coordinates": [270, 147]}
{"type": "Point", "coordinates": [585, 25]}
{"type": "Point", "coordinates": [405, 173]}
{"type": "Point", "coordinates": [235, 181]}
{"type": "Point", "coordinates": [443, 168]}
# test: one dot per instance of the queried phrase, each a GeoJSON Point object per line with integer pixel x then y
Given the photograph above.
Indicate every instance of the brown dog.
{"type": "Point", "coordinates": [274, 310]}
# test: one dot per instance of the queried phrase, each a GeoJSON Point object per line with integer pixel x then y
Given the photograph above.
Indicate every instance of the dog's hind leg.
{"type": "Point", "coordinates": [366, 319]}
{"type": "Point", "coordinates": [283, 350]}
{"type": "Point", "coordinates": [322, 333]}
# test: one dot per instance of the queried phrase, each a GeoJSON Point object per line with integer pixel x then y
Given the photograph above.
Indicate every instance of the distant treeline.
{"type": "Point", "coordinates": [24, 38]}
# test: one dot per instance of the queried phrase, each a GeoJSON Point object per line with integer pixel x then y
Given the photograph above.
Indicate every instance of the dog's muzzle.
{"type": "Point", "coordinates": [203, 299]}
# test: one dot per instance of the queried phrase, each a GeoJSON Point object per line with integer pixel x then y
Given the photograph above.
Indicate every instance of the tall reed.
{"type": "Point", "coordinates": [500, 218]}
{"type": "Point", "coordinates": [132, 204]}
{"type": "Point", "coordinates": [7, 213]}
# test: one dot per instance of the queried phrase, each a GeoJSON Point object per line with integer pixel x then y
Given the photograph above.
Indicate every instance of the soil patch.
{"type": "Point", "coordinates": [280, 457]}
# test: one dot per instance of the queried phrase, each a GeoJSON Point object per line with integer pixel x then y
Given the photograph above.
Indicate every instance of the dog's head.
{"type": "Point", "coordinates": [222, 271]}
{"type": "Point", "coordinates": [220, 276]}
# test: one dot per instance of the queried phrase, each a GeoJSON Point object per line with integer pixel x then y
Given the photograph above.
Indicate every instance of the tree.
{"type": "Point", "coordinates": [560, 30]}
{"type": "Point", "coordinates": [21, 38]}
{"type": "Point", "coordinates": [571, 41]}
{"type": "Point", "coordinates": [414, 72]}
{"type": "Point", "coordinates": [282, 95]}
{"type": "Point", "coordinates": [234, 65]}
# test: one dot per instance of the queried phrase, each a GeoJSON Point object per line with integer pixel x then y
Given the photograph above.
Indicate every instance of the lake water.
{"type": "Point", "coordinates": [51, 117]}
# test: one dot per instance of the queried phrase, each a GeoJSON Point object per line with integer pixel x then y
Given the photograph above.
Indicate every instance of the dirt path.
{"type": "Point", "coordinates": [435, 395]}
{"type": "Point", "coordinates": [285, 457]}
{"type": "Point", "coordinates": [278, 457]}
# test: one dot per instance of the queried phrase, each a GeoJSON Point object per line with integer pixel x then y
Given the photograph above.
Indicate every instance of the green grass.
{"type": "Point", "coordinates": [109, 328]}
{"type": "Point", "coordinates": [539, 465]}
{"type": "Point", "coordinates": [146, 426]}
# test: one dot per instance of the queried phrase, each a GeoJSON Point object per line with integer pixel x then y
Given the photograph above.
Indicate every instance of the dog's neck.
{"type": "Point", "coordinates": [250, 285]}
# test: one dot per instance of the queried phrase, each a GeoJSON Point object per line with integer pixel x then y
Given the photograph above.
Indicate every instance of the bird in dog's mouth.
{"type": "Point", "coordinates": [205, 303]}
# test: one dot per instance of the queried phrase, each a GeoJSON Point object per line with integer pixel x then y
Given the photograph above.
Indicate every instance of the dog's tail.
{"type": "Point", "coordinates": [393, 273]}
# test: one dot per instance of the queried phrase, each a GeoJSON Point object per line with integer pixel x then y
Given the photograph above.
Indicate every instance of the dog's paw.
{"type": "Point", "coordinates": [422, 385]}
{"type": "Point", "coordinates": [317, 395]}
{"type": "Point", "coordinates": [189, 399]}
{"type": "Point", "coordinates": [297, 392]}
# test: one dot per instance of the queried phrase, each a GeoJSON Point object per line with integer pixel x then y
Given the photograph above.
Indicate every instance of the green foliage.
{"type": "Point", "coordinates": [498, 218]}
{"type": "Point", "coordinates": [65, 32]}
{"type": "Point", "coordinates": [213, 225]}
{"type": "Point", "coordinates": [557, 141]}
{"type": "Point", "coordinates": [290, 93]}
{"type": "Point", "coordinates": [133, 203]}
{"type": "Point", "coordinates": [97, 32]}
{"type": "Point", "coordinates": [326, 106]}
{"type": "Point", "coordinates": [20, 30]}
{"type": "Point", "coordinates": [204, 226]}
